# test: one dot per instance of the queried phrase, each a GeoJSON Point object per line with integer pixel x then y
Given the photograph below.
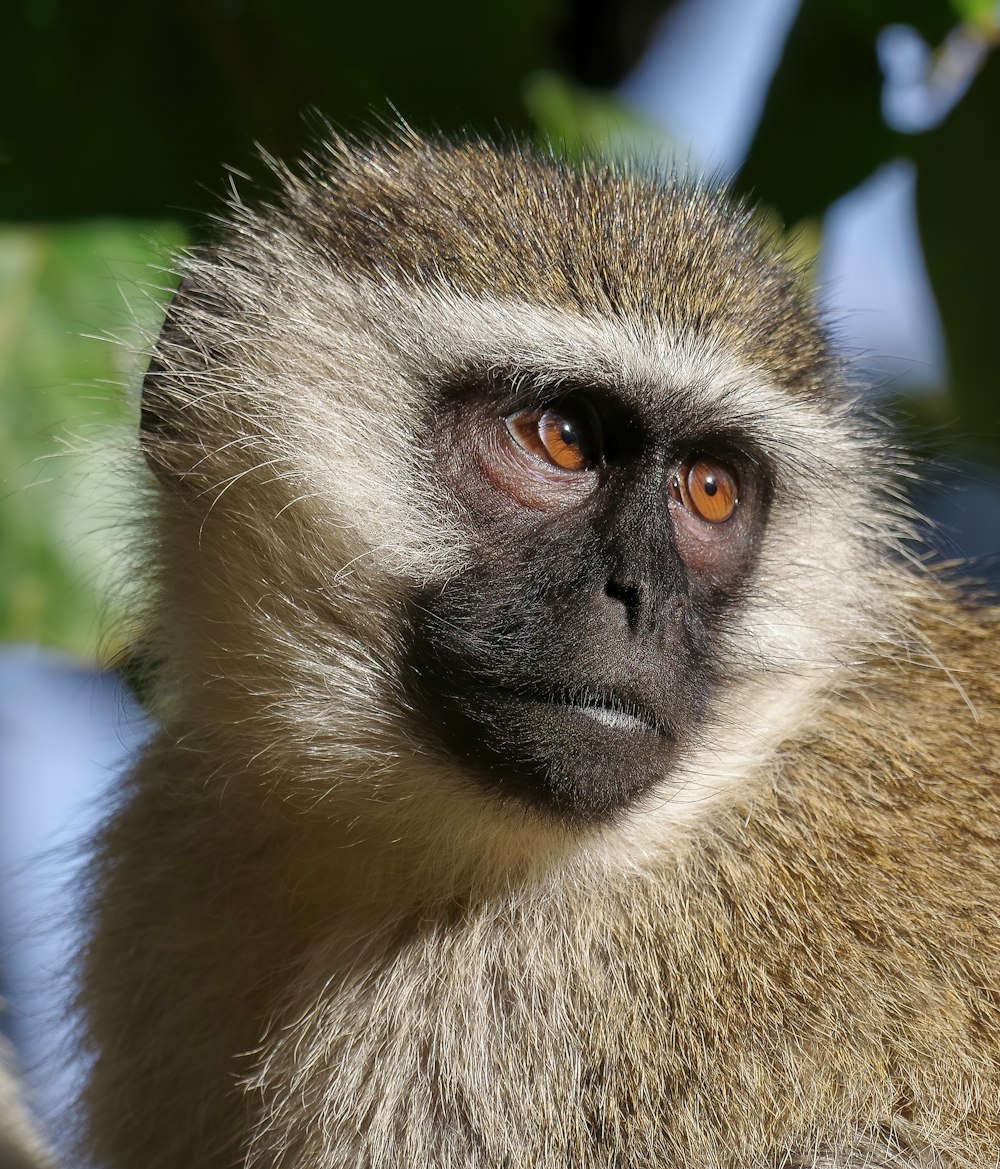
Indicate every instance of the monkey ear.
{"type": "Point", "coordinates": [154, 407]}
{"type": "Point", "coordinates": [170, 428]}
{"type": "Point", "coordinates": [161, 436]}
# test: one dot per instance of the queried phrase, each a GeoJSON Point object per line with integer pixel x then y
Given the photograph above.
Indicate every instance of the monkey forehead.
{"type": "Point", "coordinates": [398, 350]}
{"type": "Point", "coordinates": [380, 358]}
{"type": "Point", "coordinates": [596, 241]}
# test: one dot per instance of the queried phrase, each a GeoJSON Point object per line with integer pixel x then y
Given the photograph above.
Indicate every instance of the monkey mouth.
{"type": "Point", "coordinates": [581, 753]}
{"type": "Point", "coordinates": [611, 710]}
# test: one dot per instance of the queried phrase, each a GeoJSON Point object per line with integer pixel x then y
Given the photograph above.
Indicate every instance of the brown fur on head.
{"type": "Point", "coordinates": [356, 936]}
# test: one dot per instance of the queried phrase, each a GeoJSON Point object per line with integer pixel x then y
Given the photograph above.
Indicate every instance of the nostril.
{"type": "Point", "coordinates": [630, 595]}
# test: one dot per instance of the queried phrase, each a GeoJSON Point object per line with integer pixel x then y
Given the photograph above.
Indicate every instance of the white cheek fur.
{"type": "Point", "coordinates": [813, 602]}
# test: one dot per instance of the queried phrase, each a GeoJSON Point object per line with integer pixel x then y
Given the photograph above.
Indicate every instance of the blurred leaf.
{"type": "Point", "coordinates": [60, 396]}
{"type": "Point", "coordinates": [822, 130]}
{"type": "Point", "coordinates": [981, 13]}
{"type": "Point", "coordinates": [823, 133]}
{"type": "Point", "coordinates": [589, 124]}
{"type": "Point", "coordinates": [958, 201]}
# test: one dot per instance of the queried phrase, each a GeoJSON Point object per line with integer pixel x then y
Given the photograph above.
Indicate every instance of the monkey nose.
{"type": "Point", "coordinates": [630, 595]}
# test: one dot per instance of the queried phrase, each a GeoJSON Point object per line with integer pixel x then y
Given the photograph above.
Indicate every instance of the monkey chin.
{"type": "Point", "coordinates": [582, 758]}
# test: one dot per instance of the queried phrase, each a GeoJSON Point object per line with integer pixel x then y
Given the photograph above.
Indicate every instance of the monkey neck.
{"type": "Point", "coordinates": [341, 924]}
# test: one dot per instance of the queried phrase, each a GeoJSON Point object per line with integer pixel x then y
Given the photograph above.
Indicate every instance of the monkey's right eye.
{"type": "Point", "coordinates": [567, 436]}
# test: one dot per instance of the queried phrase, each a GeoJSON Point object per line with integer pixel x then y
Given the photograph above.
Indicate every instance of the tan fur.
{"type": "Point", "coordinates": [318, 945]}
{"type": "Point", "coordinates": [20, 1145]}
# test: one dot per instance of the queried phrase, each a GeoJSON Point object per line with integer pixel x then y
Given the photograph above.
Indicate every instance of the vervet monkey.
{"type": "Point", "coordinates": [560, 762]}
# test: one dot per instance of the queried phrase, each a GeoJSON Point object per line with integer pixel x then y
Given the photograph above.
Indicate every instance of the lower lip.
{"type": "Point", "coordinates": [611, 717]}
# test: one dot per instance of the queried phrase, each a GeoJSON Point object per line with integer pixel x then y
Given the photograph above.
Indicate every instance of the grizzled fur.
{"type": "Point", "coordinates": [317, 943]}
{"type": "Point", "coordinates": [20, 1145]}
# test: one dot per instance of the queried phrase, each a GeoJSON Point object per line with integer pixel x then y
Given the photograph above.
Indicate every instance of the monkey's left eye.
{"type": "Point", "coordinates": [565, 435]}
{"type": "Point", "coordinates": [707, 488]}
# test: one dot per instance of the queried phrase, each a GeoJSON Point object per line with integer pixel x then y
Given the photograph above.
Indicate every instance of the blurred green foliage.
{"type": "Point", "coordinates": [982, 13]}
{"type": "Point", "coordinates": [584, 122]}
{"type": "Point", "coordinates": [62, 290]}
{"type": "Point", "coordinates": [823, 132]}
{"type": "Point", "coordinates": [129, 111]}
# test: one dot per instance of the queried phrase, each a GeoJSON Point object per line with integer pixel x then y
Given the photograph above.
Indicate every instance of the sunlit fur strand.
{"type": "Point", "coordinates": [400, 971]}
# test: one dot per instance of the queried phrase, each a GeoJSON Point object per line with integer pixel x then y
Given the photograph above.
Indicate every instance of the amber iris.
{"type": "Point", "coordinates": [709, 489]}
{"type": "Point", "coordinates": [560, 435]}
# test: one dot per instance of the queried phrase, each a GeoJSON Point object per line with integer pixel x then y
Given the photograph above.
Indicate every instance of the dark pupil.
{"type": "Point", "coordinates": [568, 433]}
{"type": "Point", "coordinates": [710, 486]}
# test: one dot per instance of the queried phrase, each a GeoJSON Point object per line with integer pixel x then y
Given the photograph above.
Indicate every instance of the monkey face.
{"type": "Point", "coordinates": [501, 479]}
{"type": "Point", "coordinates": [575, 654]}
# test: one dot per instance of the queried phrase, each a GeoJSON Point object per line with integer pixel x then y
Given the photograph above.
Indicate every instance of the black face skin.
{"type": "Point", "coordinates": [574, 658]}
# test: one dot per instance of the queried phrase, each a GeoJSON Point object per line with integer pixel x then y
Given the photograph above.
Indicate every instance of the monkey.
{"type": "Point", "coordinates": [564, 755]}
